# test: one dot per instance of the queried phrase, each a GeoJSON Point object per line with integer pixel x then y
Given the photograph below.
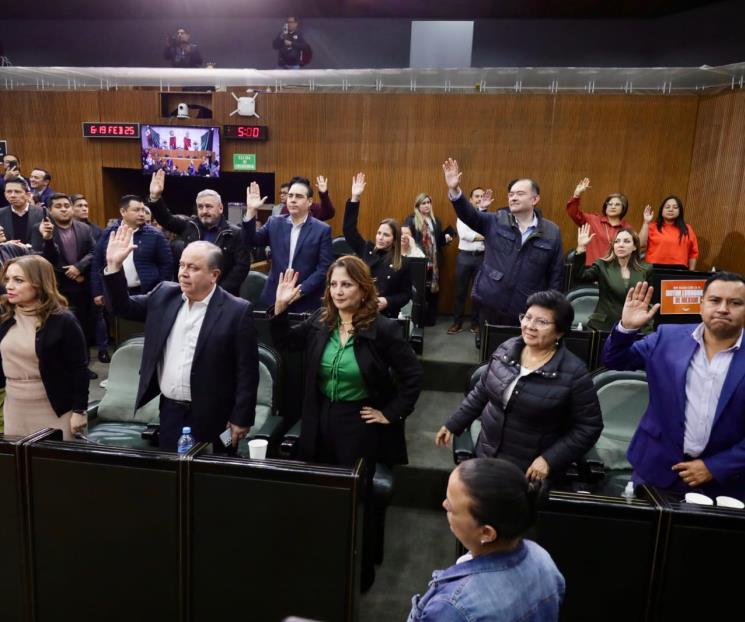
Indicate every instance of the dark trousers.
{"type": "Point", "coordinates": [344, 437]}
{"type": "Point", "coordinates": [495, 317]}
{"type": "Point", "coordinates": [80, 305]}
{"type": "Point", "coordinates": [101, 328]}
{"type": "Point", "coordinates": [173, 417]}
{"type": "Point", "coordinates": [466, 269]}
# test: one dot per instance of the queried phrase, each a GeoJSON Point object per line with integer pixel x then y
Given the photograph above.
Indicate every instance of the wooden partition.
{"type": "Point", "coordinates": [647, 146]}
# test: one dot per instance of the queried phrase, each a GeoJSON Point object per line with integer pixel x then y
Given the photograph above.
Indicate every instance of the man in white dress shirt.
{"type": "Point", "coordinates": [201, 352]}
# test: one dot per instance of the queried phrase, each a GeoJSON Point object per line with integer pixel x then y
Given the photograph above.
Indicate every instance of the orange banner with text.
{"type": "Point", "coordinates": [681, 297]}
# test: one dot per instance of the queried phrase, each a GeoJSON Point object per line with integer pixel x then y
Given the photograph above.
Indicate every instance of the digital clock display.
{"type": "Point", "coordinates": [111, 130]}
{"type": "Point", "coordinates": [246, 132]}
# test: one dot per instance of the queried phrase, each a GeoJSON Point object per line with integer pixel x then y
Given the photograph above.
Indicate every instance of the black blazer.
{"type": "Point", "coordinates": [393, 285]}
{"type": "Point", "coordinates": [389, 367]}
{"type": "Point", "coordinates": [63, 361]}
{"type": "Point", "coordinates": [35, 216]}
{"type": "Point", "coordinates": [52, 252]}
{"type": "Point", "coordinates": [225, 370]}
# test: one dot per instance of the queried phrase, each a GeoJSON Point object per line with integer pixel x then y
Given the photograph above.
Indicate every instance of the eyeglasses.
{"type": "Point", "coordinates": [538, 322]}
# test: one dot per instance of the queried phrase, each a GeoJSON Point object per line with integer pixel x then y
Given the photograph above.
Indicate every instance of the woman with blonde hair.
{"type": "Point", "coordinates": [431, 238]}
{"type": "Point", "coordinates": [42, 352]}
{"type": "Point", "coordinates": [616, 272]}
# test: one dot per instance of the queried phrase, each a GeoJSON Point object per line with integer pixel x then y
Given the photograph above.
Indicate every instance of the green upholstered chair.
{"type": "Point", "coordinates": [583, 301]}
{"type": "Point", "coordinates": [464, 445]}
{"type": "Point", "coordinates": [623, 399]}
{"type": "Point", "coordinates": [268, 425]}
{"type": "Point", "coordinates": [114, 420]}
{"type": "Point", "coordinates": [252, 287]}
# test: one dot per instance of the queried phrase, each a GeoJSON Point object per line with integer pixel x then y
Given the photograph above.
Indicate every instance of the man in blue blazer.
{"type": "Point", "coordinates": [201, 352]}
{"type": "Point", "coordinates": [693, 433]}
{"type": "Point", "coordinates": [297, 241]}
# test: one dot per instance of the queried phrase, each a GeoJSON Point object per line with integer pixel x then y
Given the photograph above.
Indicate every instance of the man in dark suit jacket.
{"type": "Point", "coordinates": [201, 352]}
{"type": "Point", "coordinates": [68, 245]}
{"type": "Point", "coordinates": [692, 435]}
{"type": "Point", "coordinates": [297, 241]}
{"type": "Point", "coordinates": [20, 220]}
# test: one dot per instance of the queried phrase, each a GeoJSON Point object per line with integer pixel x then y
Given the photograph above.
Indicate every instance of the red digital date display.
{"type": "Point", "coordinates": [111, 130]}
{"type": "Point", "coordinates": [246, 132]}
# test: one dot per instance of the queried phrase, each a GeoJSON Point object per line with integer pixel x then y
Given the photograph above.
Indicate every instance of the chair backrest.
{"type": "Point", "coordinates": [583, 307]}
{"type": "Point", "coordinates": [118, 403]}
{"type": "Point", "coordinates": [252, 287]}
{"type": "Point", "coordinates": [585, 290]}
{"type": "Point", "coordinates": [340, 247]}
{"type": "Point", "coordinates": [270, 372]}
{"type": "Point", "coordinates": [475, 428]}
{"type": "Point", "coordinates": [418, 272]}
{"type": "Point", "coordinates": [623, 399]}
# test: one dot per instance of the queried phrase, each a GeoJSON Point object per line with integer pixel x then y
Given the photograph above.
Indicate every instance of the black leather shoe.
{"type": "Point", "coordinates": [92, 375]}
{"type": "Point", "coordinates": [104, 357]}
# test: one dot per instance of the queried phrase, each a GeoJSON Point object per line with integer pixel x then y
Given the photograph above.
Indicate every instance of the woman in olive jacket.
{"type": "Point", "coordinates": [617, 272]}
{"type": "Point", "coordinates": [537, 404]}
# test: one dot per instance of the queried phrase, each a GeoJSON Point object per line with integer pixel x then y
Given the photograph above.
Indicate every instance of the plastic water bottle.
{"type": "Point", "coordinates": [628, 492]}
{"type": "Point", "coordinates": [185, 441]}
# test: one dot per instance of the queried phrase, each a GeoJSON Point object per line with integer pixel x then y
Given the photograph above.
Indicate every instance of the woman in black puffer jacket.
{"type": "Point", "coordinates": [538, 406]}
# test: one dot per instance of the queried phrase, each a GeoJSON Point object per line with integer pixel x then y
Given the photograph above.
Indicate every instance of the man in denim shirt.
{"type": "Point", "coordinates": [503, 577]}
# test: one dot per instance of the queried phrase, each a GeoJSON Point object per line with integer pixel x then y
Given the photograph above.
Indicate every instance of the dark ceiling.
{"type": "Point", "coordinates": [422, 9]}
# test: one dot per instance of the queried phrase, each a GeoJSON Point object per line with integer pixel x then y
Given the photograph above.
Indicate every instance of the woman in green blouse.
{"type": "Point", "coordinates": [361, 376]}
{"type": "Point", "coordinates": [615, 273]}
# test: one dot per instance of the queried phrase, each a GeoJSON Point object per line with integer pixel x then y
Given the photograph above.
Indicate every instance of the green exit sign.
{"type": "Point", "coordinates": [244, 161]}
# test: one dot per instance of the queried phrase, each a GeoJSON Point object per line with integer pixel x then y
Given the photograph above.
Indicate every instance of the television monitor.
{"type": "Point", "coordinates": [182, 151]}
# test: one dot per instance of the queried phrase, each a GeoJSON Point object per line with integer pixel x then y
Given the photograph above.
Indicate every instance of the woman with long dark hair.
{"type": "Point", "coordinates": [490, 505]}
{"type": "Point", "coordinates": [431, 238]}
{"type": "Point", "coordinates": [615, 273]}
{"type": "Point", "coordinates": [43, 353]}
{"type": "Point", "coordinates": [670, 242]}
{"type": "Point", "coordinates": [383, 256]}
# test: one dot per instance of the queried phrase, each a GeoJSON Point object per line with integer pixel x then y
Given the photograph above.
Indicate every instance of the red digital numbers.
{"type": "Point", "coordinates": [115, 130]}
{"type": "Point", "coordinates": [245, 131]}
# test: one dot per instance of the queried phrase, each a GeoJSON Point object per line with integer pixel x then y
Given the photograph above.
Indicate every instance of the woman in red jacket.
{"type": "Point", "coordinates": [670, 242]}
{"type": "Point", "coordinates": [605, 226]}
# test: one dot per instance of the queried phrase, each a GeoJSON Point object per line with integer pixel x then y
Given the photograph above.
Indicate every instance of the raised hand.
{"type": "Point", "coordinates": [253, 200]}
{"type": "Point", "coordinates": [581, 187]}
{"type": "Point", "coordinates": [358, 186]}
{"type": "Point", "coordinates": [288, 291]}
{"type": "Point", "coordinates": [157, 184]}
{"type": "Point", "coordinates": [488, 198]}
{"type": "Point", "coordinates": [120, 246]}
{"type": "Point", "coordinates": [322, 183]}
{"type": "Point", "coordinates": [583, 237]}
{"type": "Point", "coordinates": [648, 214]}
{"type": "Point", "coordinates": [636, 311]}
{"type": "Point", "coordinates": [452, 173]}
{"type": "Point", "coordinates": [46, 228]}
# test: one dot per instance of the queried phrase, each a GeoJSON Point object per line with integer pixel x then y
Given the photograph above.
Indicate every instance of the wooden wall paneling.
{"type": "Point", "coordinates": [716, 205]}
{"type": "Point", "coordinates": [638, 144]}
{"type": "Point", "coordinates": [44, 129]}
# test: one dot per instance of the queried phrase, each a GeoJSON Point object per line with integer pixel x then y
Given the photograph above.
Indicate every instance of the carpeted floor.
{"type": "Point", "coordinates": [416, 543]}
